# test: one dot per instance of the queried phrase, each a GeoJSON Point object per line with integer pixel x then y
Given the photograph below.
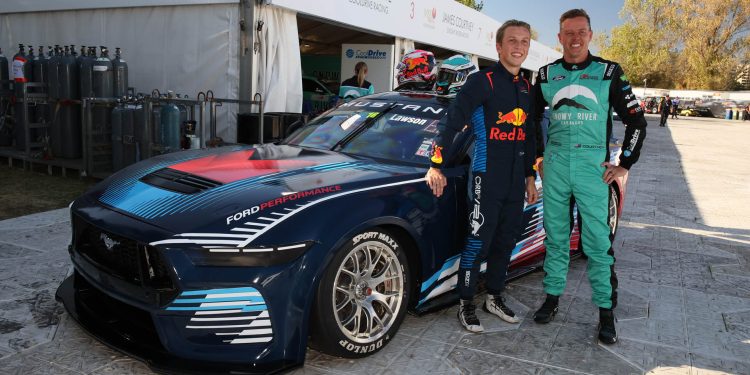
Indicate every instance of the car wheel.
{"type": "Point", "coordinates": [362, 297]}
{"type": "Point", "coordinates": [614, 213]}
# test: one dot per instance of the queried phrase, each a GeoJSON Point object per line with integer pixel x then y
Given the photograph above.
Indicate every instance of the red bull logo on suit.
{"type": "Point", "coordinates": [515, 117]}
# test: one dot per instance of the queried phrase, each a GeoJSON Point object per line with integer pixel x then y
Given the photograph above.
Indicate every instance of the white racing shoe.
{"type": "Point", "coordinates": [496, 305]}
{"type": "Point", "coordinates": [468, 317]}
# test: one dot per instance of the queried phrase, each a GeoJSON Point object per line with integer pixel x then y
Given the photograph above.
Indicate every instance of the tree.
{"type": "Point", "coordinates": [477, 5]}
{"type": "Point", "coordinates": [642, 43]}
{"type": "Point", "coordinates": [681, 43]}
{"type": "Point", "coordinates": [714, 45]}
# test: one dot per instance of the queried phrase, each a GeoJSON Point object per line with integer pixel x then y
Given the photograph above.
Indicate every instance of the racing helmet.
{"type": "Point", "coordinates": [452, 74]}
{"type": "Point", "coordinates": [417, 66]}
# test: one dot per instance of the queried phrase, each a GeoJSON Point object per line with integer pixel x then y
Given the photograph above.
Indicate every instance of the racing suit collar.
{"type": "Point", "coordinates": [579, 66]}
{"type": "Point", "coordinates": [505, 73]}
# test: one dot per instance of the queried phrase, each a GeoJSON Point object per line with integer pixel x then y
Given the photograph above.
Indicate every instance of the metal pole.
{"type": "Point", "coordinates": [212, 119]}
{"type": "Point", "coordinates": [148, 107]}
{"type": "Point", "coordinates": [27, 126]}
{"type": "Point", "coordinates": [202, 118]}
{"type": "Point", "coordinates": [259, 99]}
{"type": "Point", "coordinates": [85, 134]}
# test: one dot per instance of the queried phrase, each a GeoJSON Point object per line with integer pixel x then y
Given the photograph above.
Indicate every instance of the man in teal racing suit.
{"type": "Point", "coordinates": [581, 91]}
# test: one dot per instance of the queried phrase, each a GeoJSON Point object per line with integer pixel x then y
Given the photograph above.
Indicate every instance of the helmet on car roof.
{"type": "Point", "coordinates": [417, 66]}
{"type": "Point", "coordinates": [452, 74]}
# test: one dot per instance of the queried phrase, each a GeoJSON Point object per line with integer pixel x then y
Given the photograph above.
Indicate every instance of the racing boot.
{"type": "Point", "coordinates": [468, 317]}
{"type": "Point", "coordinates": [547, 312]}
{"type": "Point", "coordinates": [607, 333]}
{"type": "Point", "coordinates": [496, 305]}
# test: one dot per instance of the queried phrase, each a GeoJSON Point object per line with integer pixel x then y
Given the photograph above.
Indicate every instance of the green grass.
{"type": "Point", "coordinates": [27, 192]}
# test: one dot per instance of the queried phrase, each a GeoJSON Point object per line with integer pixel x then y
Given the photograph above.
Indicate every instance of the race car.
{"type": "Point", "coordinates": [235, 259]}
{"type": "Point", "coordinates": [697, 112]}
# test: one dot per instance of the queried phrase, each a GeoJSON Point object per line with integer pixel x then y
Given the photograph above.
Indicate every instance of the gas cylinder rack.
{"type": "Point", "coordinates": [6, 116]}
{"type": "Point", "coordinates": [31, 96]}
{"type": "Point", "coordinates": [120, 132]}
{"type": "Point", "coordinates": [46, 115]}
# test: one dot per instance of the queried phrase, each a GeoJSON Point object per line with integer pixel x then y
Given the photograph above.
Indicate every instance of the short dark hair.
{"type": "Point", "coordinates": [507, 24]}
{"type": "Point", "coordinates": [573, 13]}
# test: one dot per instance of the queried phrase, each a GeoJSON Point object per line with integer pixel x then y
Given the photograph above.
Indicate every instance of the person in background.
{"type": "Point", "coordinates": [675, 107]}
{"type": "Point", "coordinates": [357, 85]}
{"type": "Point", "coordinates": [664, 108]}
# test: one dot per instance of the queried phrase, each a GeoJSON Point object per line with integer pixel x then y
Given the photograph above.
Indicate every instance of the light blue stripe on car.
{"type": "Point", "coordinates": [222, 299]}
{"type": "Point", "coordinates": [219, 291]}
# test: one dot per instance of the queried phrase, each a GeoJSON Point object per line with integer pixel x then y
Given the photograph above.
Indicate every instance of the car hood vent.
{"type": "Point", "coordinates": [178, 181]}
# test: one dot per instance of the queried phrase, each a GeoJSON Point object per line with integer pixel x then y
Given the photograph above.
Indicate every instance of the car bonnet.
{"type": "Point", "coordinates": [207, 188]}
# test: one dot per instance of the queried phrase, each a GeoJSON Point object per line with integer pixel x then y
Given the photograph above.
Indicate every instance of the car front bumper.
{"type": "Point", "coordinates": [143, 335]}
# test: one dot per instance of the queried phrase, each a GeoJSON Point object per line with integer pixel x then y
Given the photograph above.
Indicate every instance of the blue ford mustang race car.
{"type": "Point", "coordinates": [230, 259]}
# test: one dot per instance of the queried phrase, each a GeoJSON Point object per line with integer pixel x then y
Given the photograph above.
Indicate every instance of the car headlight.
{"type": "Point", "coordinates": [255, 256]}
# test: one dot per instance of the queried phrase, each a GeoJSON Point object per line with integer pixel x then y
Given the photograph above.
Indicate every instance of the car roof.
{"type": "Point", "coordinates": [421, 97]}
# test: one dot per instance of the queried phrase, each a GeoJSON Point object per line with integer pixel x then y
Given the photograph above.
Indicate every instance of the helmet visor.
{"type": "Point", "coordinates": [450, 76]}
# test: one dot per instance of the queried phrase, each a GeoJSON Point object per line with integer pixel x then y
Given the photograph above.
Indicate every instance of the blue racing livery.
{"type": "Point", "coordinates": [236, 259]}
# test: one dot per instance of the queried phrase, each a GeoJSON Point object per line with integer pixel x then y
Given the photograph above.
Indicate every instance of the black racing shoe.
{"type": "Point", "coordinates": [547, 312]}
{"type": "Point", "coordinates": [468, 317]}
{"type": "Point", "coordinates": [496, 305]}
{"type": "Point", "coordinates": [607, 332]}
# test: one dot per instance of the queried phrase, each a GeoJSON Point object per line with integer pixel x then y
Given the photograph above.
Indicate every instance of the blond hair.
{"type": "Point", "coordinates": [360, 70]}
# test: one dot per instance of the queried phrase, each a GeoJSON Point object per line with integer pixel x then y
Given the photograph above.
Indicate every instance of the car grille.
{"type": "Point", "coordinates": [133, 326]}
{"type": "Point", "coordinates": [126, 259]}
{"type": "Point", "coordinates": [178, 181]}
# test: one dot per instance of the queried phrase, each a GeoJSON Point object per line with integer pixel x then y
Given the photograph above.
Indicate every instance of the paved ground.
{"type": "Point", "coordinates": [682, 258]}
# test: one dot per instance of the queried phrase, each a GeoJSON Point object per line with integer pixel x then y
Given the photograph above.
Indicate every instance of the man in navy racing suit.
{"type": "Point", "coordinates": [495, 102]}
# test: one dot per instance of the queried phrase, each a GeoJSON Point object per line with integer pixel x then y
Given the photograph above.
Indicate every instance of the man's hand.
{"type": "Point", "coordinates": [436, 181]}
{"type": "Point", "coordinates": [539, 166]}
{"type": "Point", "coordinates": [613, 172]}
{"type": "Point", "coordinates": [531, 193]}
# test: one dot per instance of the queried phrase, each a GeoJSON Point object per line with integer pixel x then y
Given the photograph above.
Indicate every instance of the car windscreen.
{"type": "Point", "coordinates": [400, 132]}
{"type": "Point", "coordinates": [326, 131]}
{"type": "Point", "coordinates": [403, 134]}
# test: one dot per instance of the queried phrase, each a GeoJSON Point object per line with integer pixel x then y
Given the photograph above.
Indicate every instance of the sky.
{"type": "Point", "coordinates": [544, 15]}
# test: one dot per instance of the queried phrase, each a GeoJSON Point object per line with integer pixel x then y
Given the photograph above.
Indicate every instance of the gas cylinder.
{"type": "Point", "coordinates": [69, 114]}
{"type": "Point", "coordinates": [39, 67]}
{"type": "Point", "coordinates": [3, 69]}
{"type": "Point", "coordinates": [21, 69]}
{"type": "Point", "coordinates": [102, 80]}
{"type": "Point", "coordinates": [170, 125]}
{"type": "Point", "coordinates": [22, 73]}
{"type": "Point", "coordinates": [68, 76]}
{"type": "Point", "coordinates": [117, 120]}
{"type": "Point", "coordinates": [85, 63]}
{"type": "Point", "coordinates": [53, 69]}
{"type": "Point", "coordinates": [120, 68]}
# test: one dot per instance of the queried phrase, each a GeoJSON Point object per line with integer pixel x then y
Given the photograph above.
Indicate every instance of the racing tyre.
{"type": "Point", "coordinates": [363, 296]}
{"type": "Point", "coordinates": [614, 213]}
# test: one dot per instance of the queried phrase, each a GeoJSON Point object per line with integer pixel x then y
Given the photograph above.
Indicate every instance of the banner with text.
{"type": "Point", "coordinates": [379, 60]}
{"type": "Point", "coordinates": [444, 23]}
